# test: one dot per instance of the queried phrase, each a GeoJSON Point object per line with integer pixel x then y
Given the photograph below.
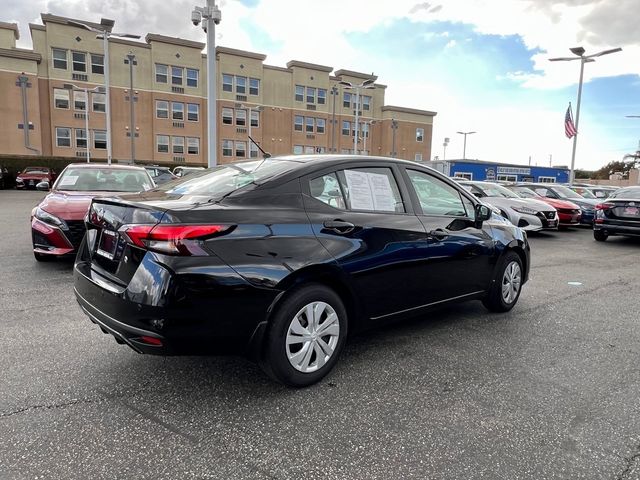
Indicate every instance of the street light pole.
{"type": "Point", "coordinates": [366, 134]}
{"type": "Point", "coordinates": [464, 148]}
{"type": "Point", "coordinates": [394, 127]}
{"type": "Point", "coordinates": [131, 60]}
{"type": "Point", "coordinates": [579, 52]}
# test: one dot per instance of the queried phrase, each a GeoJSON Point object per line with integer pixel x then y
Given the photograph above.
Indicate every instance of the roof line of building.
{"type": "Point", "coordinates": [241, 53]}
{"type": "Point", "coordinates": [20, 54]}
{"type": "Point", "coordinates": [504, 164]}
{"type": "Point", "coordinates": [105, 23]}
{"type": "Point", "coordinates": [156, 37]}
{"type": "Point", "coordinates": [351, 73]}
{"type": "Point", "coordinates": [393, 108]}
{"type": "Point", "coordinates": [310, 66]}
{"type": "Point", "coordinates": [37, 26]}
{"type": "Point", "coordinates": [11, 26]}
{"type": "Point", "coordinates": [279, 69]}
{"type": "Point", "coordinates": [131, 43]}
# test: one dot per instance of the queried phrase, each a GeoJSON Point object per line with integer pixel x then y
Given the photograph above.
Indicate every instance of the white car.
{"type": "Point", "coordinates": [530, 215]}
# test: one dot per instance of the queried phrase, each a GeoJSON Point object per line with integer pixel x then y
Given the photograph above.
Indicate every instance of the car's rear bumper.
{"type": "Point", "coordinates": [618, 229]}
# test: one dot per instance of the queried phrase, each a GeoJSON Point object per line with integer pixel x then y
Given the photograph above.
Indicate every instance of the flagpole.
{"type": "Point", "coordinates": [575, 137]}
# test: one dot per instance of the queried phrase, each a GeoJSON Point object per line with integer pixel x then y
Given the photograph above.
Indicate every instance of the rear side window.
{"type": "Point", "coordinates": [371, 189]}
{"type": "Point", "coordinates": [437, 197]}
{"type": "Point", "coordinates": [326, 188]}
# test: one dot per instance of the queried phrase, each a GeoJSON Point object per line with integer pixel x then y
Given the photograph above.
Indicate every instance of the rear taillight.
{"type": "Point", "coordinates": [172, 239]}
{"type": "Point", "coordinates": [604, 206]}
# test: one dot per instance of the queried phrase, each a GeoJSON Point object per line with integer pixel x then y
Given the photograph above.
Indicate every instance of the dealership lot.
{"type": "Point", "coordinates": [548, 390]}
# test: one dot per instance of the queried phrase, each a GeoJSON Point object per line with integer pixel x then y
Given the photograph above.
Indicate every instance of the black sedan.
{"type": "Point", "coordinates": [618, 215]}
{"type": "Point", "coordinates": [283, 258]}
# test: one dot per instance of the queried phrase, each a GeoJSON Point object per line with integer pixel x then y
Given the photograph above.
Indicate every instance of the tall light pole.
{"type": "Point", "coordinates": [210, 16]}
{"type": "Point", "coordinates": [367, 84]}
{"type": "Point", "coordinates": [104, 34]}
{"type": "Point", "coordinates": [579, 52]}
{"type": "Point", "coordinates": [445, 144]}
{"type": "Point", "coordinates": [368, 132]}
{"type": "Point", "coordinates": [99, 89]}
{"type": "Point", "coordinates": [464, 148]}
{"type": "Point", "coordinates": [394, 127]}
{"type": "Point", "coordinates": [131, 61]}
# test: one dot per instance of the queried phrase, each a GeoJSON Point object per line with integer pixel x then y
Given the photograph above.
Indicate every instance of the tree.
{"type": "Point", "coordinates": [627, 163]}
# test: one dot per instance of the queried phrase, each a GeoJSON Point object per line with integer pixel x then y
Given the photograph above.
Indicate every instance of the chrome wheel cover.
{"type": "Point", "coordinates": [312, 337]}
{"type": "Point", "coordinates": [511, 282]}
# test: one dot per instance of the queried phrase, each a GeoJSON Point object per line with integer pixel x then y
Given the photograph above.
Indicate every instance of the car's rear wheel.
{"type": "Point", "coordinates": [305, 337]}
{"type": "Point", "coordinates": [507, 284]}
{"type": "Point", "coordinates": [600, 236]}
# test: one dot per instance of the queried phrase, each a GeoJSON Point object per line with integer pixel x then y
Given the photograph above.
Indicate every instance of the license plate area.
{"type": "Point", "coordinates": [631, 211]}
{"type": "Point", "coordinates": [107, 244]}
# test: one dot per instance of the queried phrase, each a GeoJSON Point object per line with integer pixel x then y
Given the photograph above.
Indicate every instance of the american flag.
{"type": "Point", "coordinates": [569, 127]}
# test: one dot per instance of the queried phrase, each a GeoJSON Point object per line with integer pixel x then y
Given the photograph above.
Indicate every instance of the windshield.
{"type": "Point", "coordinates": [225, 179]}
{"type": "Point", "coordinates": [103, 180]}
{"type": "Point", "coordinates": [36, 171]}
{"type": "Point", "coordinates": [566, 192]}
{"type": "Point", "coordinates": [525, 193]}
{"type": "Point", "coordinates": [584, 192]}
{"type": "Point", "coordinates": [495, 190]}
{"type": "Point", "coordinates": [632, 192]}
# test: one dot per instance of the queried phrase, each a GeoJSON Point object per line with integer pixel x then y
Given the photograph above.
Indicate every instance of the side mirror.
{"type": "Point", "coordinates": [483, 213]}
{"type": "Point", "coordinates": [43, 186]}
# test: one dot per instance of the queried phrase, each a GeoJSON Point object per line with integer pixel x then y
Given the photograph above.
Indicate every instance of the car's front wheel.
{"type": "Point", "coordinates": [305, 337]}
{"type": "Point", "coordinates": [600, 236]}
{"type": "Point", "coordinates": [507, 284]}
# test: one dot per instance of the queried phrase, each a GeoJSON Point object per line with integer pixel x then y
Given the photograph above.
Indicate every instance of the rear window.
{"type": "Point", "coordinates": [103, 180]}
{"type": "Point", "coordinates": [627, 193]}
{"type": "Point", "coordinates": [225, 179]}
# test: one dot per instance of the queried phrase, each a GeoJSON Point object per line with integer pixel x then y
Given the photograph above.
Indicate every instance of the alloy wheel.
{"type": "Point", "coordinates": [511, 282]}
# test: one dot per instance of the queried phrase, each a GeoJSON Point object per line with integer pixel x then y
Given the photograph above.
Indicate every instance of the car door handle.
{"type": "Point", "coordinates": [339, 226]}
{"type": "Point", "coordinates": [438, 234]}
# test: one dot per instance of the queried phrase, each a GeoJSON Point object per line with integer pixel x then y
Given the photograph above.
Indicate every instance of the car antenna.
{"type": "Point", "coordinates": [265, 155]}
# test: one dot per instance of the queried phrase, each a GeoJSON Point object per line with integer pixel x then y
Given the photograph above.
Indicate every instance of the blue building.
{"type": "Point", "coordinates": [492, 171]}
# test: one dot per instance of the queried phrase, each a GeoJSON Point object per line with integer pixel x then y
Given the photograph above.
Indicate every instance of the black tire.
{"type": "Point", "coordinates": [495, 301]}
{"type": "Point", "coordinates": [274, 358]}
{"type": "Point", "coordinates": [600, 236]}
{"type": "Point", "coordinates": [41, 257]}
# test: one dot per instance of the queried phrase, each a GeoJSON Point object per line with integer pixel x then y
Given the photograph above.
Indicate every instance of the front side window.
{"type": "Point", "coordinates": [346, 128]}
{"type": "Point", "coordinates": [227, 116]}
{"type": "Point", "coordinates": [241, 149]}
{"type": "Point", "coordinates": [193, 145]}
{"type": "Point", "coordinates": [299, 93]}
{"type": "Point", "coordinates": [59, 58]}
{"type": "Point", "coordinates": [254, 86]}
{"type": "Point", "coordinates": [162, 109]}
{"type": "Point", "coordinates": [100, 139]}
{"type": "Point", "coordinates": [63, 137]}
{"type": "Point", "coordinates": [162, 143]}
{"type": "Point", "coordinates": [298, 121]}
{"type": "Point", "coordinates": [176, 75]}
{"type": "Point", "coordinates": [79, 100]}
{"type": "Point", "coordinates": [178, 145]}
{"type": "Point", "coordinates": [162, 72]}
{"type": "Point", "coordinates": [309, 124]}
{"type": "Point", "coordinates": [327, 189]}
{"type": "Point", "coordinates": [81, 138]}
{"type": "Point", "coordinates": [437, 197]}
{"type": "Point", "coordinates": [311, 95]}
{"type": "Point", "coordinates": [177, 110]}
{"type": "Point", "coordinates": [193, 112]}
{"type": "Point", "coordinates": [227, 148]}
{"type": "Point", "coordinates": [79, 61]}
{"type": "Point", "coordinates": [320, 125]}
{"type": "Point", "coordinates": [98, 101]}
{"type": "Point", "coordinates": [227, 83]}
{"type": "Point", "coordinates": [192, 77]}
{"type": "Point", "coordinates": [371, 189]}
{"type": "Point", "coordinates": [419, 134]}
{"type": "Point", "coordinates": [97, 64]}
{"type": "Point", "coordinates": [241, 85]}
{"type": "Point", "coordinates": [241, 118]}
{"type": "Point", "coordinates": [255, 118]}
{"type": "Point", "coordinates": [61, 97]}
{"type": "Point", "coordinates": [322, 96]}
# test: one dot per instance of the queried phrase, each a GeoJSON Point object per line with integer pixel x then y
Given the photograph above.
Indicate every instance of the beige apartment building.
{"type": "Point", "coordinates": [300, 108]}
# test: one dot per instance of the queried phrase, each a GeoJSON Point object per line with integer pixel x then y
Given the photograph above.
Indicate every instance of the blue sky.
{"type": "Point", "coordinates": [481, 64]}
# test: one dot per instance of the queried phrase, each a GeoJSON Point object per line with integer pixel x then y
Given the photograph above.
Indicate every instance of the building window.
{"type": "Point", "coordinates": [192, 77]}
{"type": "Point", "coordinates": [162, 71]}
{"type": "Point", "coordinates": [298, 149]}
{"type": "Point", "coordinates": [253, 150]}
{"type": "Point", "coordinates": [308, 124]}
{"type": "Point", "coordinates": [508, 178]}
{"type": "Point", "coordinates": [255, 118]}
{"type": "Point", "coordinates": [193, 112]}
{"type": "Point", "coordinates": [79, 100]}
{"type": "Point", "coordinates": [297, 123]}
{"type": "Point", "coordinates": [227, 83]}
{"type": "Point", "coordinates": [241, 149]}
{"type": "Point", "coordinates": [162, 109]}
{"type": "Point", "coordinates": [254, 86]}
{"type": "Point", "coordinates": [299, 93]}
{"type": "Point", "coordinates": [59, 58]}
{"type": "Point", "coordinates": [419, 134]}
{"type": "Point", "coordinates": [61, 97]}
{"type": "Point", "coordinates": [100, 139]}
{"type": "Point", "coordinates": [309, 150]}
{"type": "Point", "coordinates": [320, 125]}
{"type": "Point", "coordinates": [63, 137]}
{"type": "Point", "coordinates": [227, 148]}
{"type": "Point", "coordinates": [346, 128]}
{"type": "Point", "coordinates": [227, 116]}
{"type": "Point", "coordinates": [346, 100]}
{"type": "Point", "coordinates": [321, 150]}
{"type": "Point", "coordinates": [418, 157]}
{"type": "Point", "coordinates": [178, 145]}
{"type": "Point", "coordinates": [193, 146]}
{"type": "Point", "coordinates": [465, 175]}
{"type": "Point", "coordinates": [162, 143]}
{"type": "Point", "coordinates": [544, 179]}
{"type": "Point", "coordinates": [241, 85]}
{"type": "Point", "coordinates": [176, 75]}
{"type": "Point", "coordinates": [311, 95]}
{"type": "Point", "coordinates": [177, 110]}
{"type": "Point", "coordinates": [79, 61]}
{"type": "Point", "coordinates": [97, 64]}
{"type": "Point", "coordinates": [241, 118]}
{"type": "Point", "coordinates": [366, 102]}
{"type": "Point", "coordinates": [98, 101]}
{"type": "Point", "coordinates": [81, 138]}
{"type": "Point", "coordinates": [346, 151]}
{"type": "Point", "coordinates": [322, 96]}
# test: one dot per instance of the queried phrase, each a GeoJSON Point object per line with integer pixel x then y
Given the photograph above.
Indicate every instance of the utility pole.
{"type": "Point", "coordinates": [131, 61]}
{"type": "Point", "coordinates": [394, 127]}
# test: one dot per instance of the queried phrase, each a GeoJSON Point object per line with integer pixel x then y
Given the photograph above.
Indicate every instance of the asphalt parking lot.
{"type": "Point", "coordinates": [547, 391]}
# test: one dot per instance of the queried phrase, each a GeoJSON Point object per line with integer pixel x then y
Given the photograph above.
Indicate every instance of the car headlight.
{"type": "Point", "coordinates": [18, 179]}
{"type": "Point", "coordinates": [527, 210]}
{"type": "Point", "coordinates": [46, 217]}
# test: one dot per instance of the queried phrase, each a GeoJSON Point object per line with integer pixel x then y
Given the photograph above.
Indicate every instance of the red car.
{"type": "Point", "coordinates": [569, 213]}
{"type": "Point", "coordinates": [31, 176]}
{"type": "Point", "coordinates": [57, 223]}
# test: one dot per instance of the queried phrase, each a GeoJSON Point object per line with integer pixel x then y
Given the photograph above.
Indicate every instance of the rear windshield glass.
{"type": "Point", "coordinates": [566, 192]}
{"type": "Point", "coordinates": [103, 180]}
{"type": "Point", "coordinates": [225, 179]}
{"type": "Point", "coordinates": [627, 193]}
